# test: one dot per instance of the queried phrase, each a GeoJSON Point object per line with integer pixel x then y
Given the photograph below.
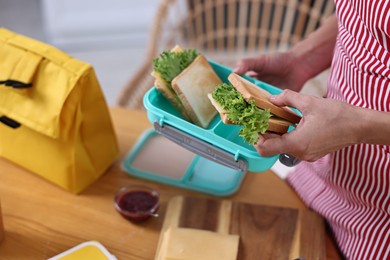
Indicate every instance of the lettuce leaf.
{"type": "Point", "coordinates": [170, 64]}
{"type": "Point", "coordinates": [253, 119]}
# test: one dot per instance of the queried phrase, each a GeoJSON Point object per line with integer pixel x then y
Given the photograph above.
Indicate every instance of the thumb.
{"type": "Point", "coordinates": [288, 98]}
{"type": "Point", "coordinates": [268, 146]}
{"type": "Point", "coordinates": [249, 64]}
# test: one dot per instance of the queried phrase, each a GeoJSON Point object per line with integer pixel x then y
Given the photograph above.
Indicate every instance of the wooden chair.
{"type": "Point", "coordinates": [225, 31]}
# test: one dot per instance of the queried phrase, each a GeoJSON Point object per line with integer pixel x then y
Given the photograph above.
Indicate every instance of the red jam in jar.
{"type": "Point", "coordinates": [137, 203]}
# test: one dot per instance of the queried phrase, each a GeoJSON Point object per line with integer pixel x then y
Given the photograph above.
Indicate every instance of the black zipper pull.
{"type": "Point", "coordinates": [15, 84]}
{"type": "Point", "coordinates": [9, 122]}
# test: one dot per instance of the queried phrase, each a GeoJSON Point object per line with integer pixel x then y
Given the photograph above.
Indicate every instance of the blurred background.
{"type": "Point", "coordinates": [110, 35]}
{"type": "Point", "coordinates": [113, 36]}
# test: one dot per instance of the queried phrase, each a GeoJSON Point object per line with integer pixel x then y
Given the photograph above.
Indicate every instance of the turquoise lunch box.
{"type": "Point", "coordinates": [221, 158]}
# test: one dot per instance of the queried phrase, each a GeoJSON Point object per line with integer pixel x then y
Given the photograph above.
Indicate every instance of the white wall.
{"type": "Point", "coordinates": [84, 24]}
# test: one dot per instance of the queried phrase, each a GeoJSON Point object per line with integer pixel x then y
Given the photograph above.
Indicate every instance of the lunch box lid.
{"type": "Point", "coordinates": [156, 158]}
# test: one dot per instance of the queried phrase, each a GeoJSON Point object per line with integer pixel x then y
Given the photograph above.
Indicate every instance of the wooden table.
{"type": "Point", "coordinates": [42, 220]}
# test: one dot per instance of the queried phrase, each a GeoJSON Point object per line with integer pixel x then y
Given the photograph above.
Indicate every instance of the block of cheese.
{"type": "Point", "coordinates": [195, 244]}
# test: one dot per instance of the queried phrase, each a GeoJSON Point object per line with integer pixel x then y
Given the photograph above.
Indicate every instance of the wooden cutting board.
{"type": "Point", "coordinates": [265, 232]}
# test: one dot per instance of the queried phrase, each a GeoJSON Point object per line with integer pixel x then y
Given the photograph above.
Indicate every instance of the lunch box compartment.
{"type": "Point", "coordinates": [230, 133]}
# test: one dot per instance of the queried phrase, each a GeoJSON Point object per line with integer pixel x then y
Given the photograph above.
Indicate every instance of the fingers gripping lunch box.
{"type": "Point", "coordinates": [212, 160]}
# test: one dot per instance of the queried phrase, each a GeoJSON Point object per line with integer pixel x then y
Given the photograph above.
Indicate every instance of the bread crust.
{"type": "Point", "coordinates": [278, 125]}
{"type": "Point", "coordinates": [222, 112]}
{"type": "Point", "coordinates": [250, 91]}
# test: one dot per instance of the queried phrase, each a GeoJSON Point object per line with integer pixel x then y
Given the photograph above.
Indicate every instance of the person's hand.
{"type": "Point", "coordinates": [327, 125]}
{"type": "Point", "coordinates": [303, 61]}
{"type": "Point", "coordinates": [279, 69]}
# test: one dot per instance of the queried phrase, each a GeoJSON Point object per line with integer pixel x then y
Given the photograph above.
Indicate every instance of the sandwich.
{"type": "Point", "coordinates": [185, 78]}
{"type": "Point", "coordinates": [241, 102]}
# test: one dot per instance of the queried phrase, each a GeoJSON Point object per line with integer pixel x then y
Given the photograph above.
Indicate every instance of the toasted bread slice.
{"type": "Point", "coordinates": [278, 125]}
{"type": "Point", "coordinates": [163, 87]}
{"type": "Point", "coordinates": [192, 86]}
{"type": "Point", "coordinates": [177, 48]}
{"type": "Point", "coordinates": [222, 112]}
{"type": "Point", "coordinates": [250, 91]}
{"type": "Point", "coordinates": [168, 92]}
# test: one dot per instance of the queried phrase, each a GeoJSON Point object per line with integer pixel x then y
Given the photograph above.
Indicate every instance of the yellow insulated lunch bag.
{"type": "Point", "coordinates": [54, 120]}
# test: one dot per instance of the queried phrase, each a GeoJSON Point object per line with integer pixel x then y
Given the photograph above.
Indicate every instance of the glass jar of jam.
{"type": "Point", "coordinates": [137, 203]}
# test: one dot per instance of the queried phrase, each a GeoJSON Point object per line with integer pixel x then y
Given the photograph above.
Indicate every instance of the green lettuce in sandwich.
{"type": "Point", "coordinates": [241, 102]}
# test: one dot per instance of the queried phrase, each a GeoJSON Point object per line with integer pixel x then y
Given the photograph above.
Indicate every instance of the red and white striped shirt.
{"type": "Point", "coordinates": [351, 187]}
